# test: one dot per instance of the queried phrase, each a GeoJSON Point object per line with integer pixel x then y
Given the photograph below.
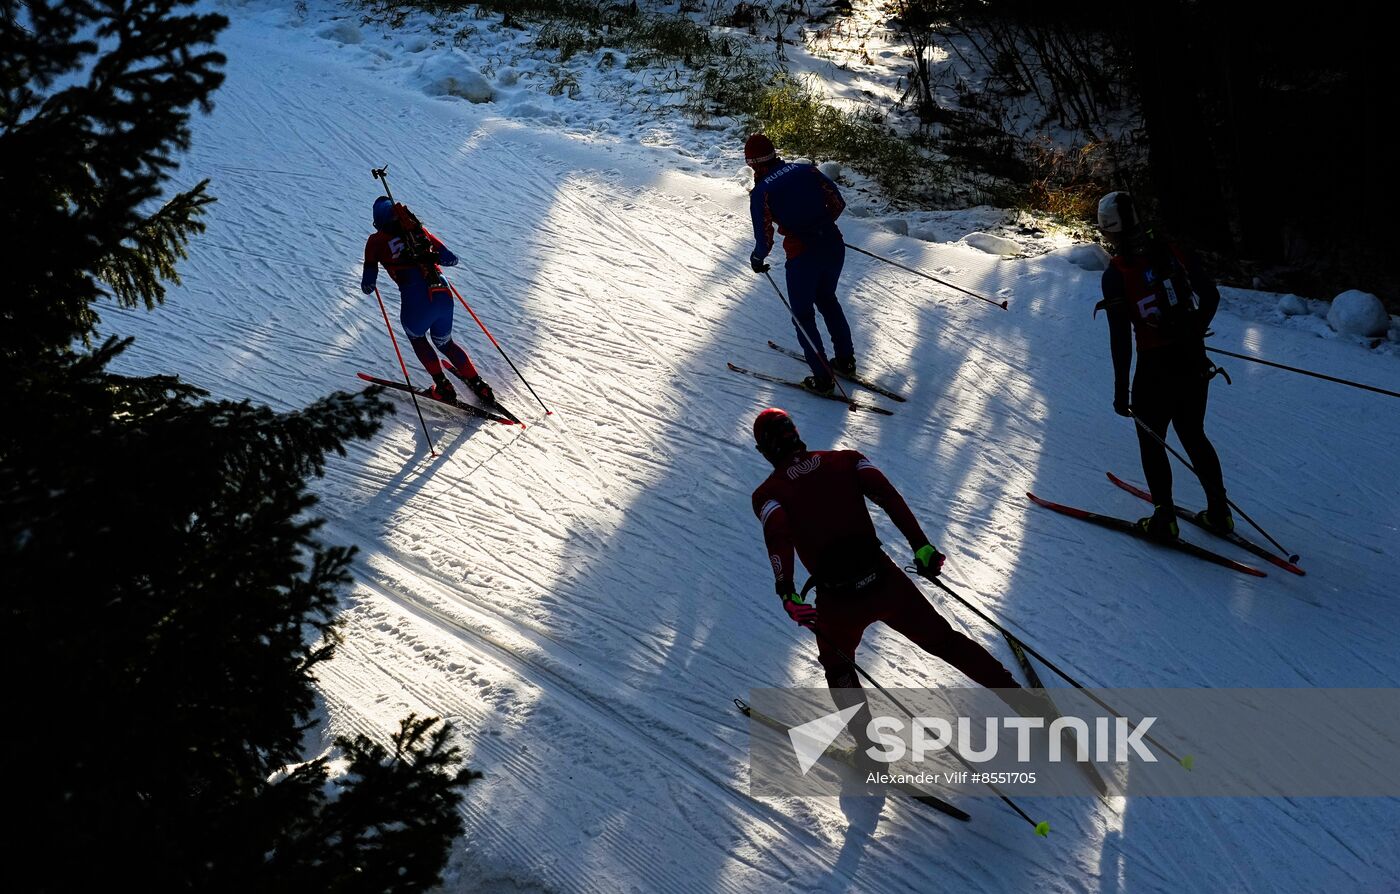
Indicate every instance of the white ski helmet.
{"type": "Point", "coordinates": [1117, 213]}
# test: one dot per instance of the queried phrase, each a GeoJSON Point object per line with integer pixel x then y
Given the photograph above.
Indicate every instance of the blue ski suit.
{"type": "Point", "coordinates": [804, 204]}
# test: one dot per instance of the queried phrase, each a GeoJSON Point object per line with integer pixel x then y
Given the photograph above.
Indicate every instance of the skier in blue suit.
{"type": "Point", "coordinates": [803, 203]}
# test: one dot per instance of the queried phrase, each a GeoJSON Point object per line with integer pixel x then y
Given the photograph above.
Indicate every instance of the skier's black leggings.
{"type": "Point", "coordinates": [1170, 386]}
{"type": "Point", "coordinates": [844, 614]}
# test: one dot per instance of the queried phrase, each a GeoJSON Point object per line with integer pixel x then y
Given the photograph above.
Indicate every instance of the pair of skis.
{"type": "Point", "coordinates": [853, 379]}
{"type": "Point", "coordinates": [1131, 528]}
{"type": "Point", "coordinates": [496, 413]}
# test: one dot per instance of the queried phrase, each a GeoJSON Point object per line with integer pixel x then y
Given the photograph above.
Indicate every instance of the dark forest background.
{"type": "Point", "coordinates": [1259, 130]}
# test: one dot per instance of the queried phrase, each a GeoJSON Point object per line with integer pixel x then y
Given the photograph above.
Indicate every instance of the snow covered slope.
{"type": "Point", "coordinates": [583, 598]}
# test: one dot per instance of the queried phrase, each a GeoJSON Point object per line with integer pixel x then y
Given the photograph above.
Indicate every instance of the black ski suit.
{"type": "Point", "coordinates": [1164, 296]}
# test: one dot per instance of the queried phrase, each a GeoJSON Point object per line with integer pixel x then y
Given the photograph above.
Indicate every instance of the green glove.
{"type": "Point", "coordinates": [928, 560]}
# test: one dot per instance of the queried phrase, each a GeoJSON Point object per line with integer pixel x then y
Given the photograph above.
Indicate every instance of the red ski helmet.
{"type": "Point", "coordinates": [775, 434]}
{"type": "Point", "coordinates": [758, 149]}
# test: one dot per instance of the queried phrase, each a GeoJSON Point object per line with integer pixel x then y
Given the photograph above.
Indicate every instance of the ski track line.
{"type": "Point", "coordinates": [602, 712]}
{"type": "Point", "coordinates": [506, 763]}
{"type": "Point", "coordinates": [527, 583]}
{"type": "Point", "coordinates": [422, 506]}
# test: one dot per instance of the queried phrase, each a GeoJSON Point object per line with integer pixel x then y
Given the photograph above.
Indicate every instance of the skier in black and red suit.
{"type": "Point", "coordinates": [1155, 289]}
{"type": "Point", "coordinates": [815, 502]}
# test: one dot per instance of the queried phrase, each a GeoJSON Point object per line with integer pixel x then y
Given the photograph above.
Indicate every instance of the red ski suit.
{"type": "Point", "coordinates": [815, 502]}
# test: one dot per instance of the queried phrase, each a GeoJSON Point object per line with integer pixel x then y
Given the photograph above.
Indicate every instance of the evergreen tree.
{"type": "Point", "coordinates": [166, 596]}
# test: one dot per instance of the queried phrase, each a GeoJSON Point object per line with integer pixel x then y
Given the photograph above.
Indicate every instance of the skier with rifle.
{"type": "Point", "coordinates": [804, 204]}
{"type": "Point", "coordinates": [1154, 289]}
{"type": "Point", "coordinates": [814, 503]}
{"type": "Point", "coordinates": [411, 255]}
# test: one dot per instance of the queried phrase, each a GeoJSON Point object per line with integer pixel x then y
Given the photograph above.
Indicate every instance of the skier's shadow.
{"type": "Point", "coordinates": [1111, 863]}
{"type": "Point", "coordinates": [862, 814]}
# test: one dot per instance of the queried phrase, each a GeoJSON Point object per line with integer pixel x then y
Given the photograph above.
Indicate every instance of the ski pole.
{"type": "Point", "coordinates": [383, 175]}
{"type": "Point", "coordinates": [807, 339]}
{"type": "Point", "coordinates": [1292, 557]}
{"type": "Point", "coordinates": [1012, 638]}
{"type": "Point", "coordinates": [942, 282]}
{"type": "Point", "coordinates": [432, 448]}
{"type": "Point", "coordinates": [1042, 828]}
{"type": "Point", "coordinates": [547, 410]}
{"type": "Point", "coordinates": [1315, 375]}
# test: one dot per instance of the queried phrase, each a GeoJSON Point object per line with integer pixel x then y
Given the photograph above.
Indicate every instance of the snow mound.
{"type": "Point", "coordinates": [722, 123]}
{"type": "Point", "coordinates": [897, 225]}
{"type": "Point", "coordinates": [1086, 256]}
{"type": "Point", "coordinates": [526, 109]}
{"type": "Point", "coordinates": [832, 169]}
{"type": "Point", "coordinates": [449, 74]}
{"type": "Point", "coordinates": [1355, 312]}
{"type": "Point", "coordinates": [928, 233]}
{"type": "Point", "coordinates": [1292, 306]}
{"type": "Point", "coordinates": [344, 31]}
{"type": "Point", "coordinates": [952, 226]}
{"type": "Point", "coordinates": [992, 245]}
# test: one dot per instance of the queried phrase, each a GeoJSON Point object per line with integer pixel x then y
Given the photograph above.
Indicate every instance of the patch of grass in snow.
{"type": "Point", "coordinates": [718, 74]}
{"type": "Point", "coordinates": [568, 38]}
{"type": "Point", "coordinates": [563, 82]}
{"type": "Point", "coordinates": [1067, 183]}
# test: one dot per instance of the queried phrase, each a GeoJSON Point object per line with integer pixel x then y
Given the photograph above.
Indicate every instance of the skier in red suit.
{"type": "Point", "coordinates": [814, 502]}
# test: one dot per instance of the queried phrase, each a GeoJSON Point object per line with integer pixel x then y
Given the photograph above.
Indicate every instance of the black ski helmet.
{"type": "Point", "coordinates": [775, 434]}
{"type": "Point", "coordinates": [383, 211]}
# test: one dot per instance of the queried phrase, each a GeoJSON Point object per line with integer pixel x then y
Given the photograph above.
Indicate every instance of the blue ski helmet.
{"type": "Point", "coordinates": [383, 211]}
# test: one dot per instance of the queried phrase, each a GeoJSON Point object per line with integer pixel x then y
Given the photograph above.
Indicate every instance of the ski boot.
{"type": "Point", "coordinates": [482, 390]}
{"type": "Point", "coordinates": [846, 366]}
{"type": "Point", "coordinates": [442, 389]}
{"type": "Point", "coordinates": [1160, 525]}
{"type": "Point", "coordinates": [824, 386]}
{"type": "Point", "coordinates": [1216, 516]}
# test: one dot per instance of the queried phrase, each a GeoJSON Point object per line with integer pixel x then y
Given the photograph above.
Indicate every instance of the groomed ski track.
{"type": "Point", "coordinates": [584, 598]}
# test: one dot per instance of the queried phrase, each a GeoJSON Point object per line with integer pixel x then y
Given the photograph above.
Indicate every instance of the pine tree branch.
{"type": "Point", "coordinates": [136, 270]}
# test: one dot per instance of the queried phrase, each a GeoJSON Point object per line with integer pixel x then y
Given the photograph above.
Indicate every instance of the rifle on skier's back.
{"type": "Point", "coordinates": [417, 246]}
